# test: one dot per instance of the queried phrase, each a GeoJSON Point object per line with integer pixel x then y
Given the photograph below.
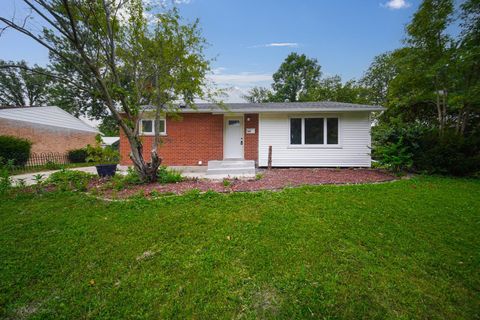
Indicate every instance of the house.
{"type": "Point", "coordinates": [50, 129]}
{"type": "Point", "coordinates": [299, 134]}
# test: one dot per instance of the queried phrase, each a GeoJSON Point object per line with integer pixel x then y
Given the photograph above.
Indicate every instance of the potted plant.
{"type": "Point", "coordinates": [106, 159]}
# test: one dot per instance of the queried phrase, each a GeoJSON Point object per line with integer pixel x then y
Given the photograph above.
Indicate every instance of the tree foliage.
{"type": "Point", "coordinates": [113, 53]}
{"type": "Point", "coordinates": [22, 86]}
{"type": "Point", "coordinates": [299, 78]}
{"type": "Point", "coordinates": [295, 76]}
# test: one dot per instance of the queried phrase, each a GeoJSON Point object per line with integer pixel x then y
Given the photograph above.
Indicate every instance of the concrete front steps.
{"type": "Point", "coordinates": [220, 169]}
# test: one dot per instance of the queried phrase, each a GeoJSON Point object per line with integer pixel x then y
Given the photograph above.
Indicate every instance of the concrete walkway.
{"type": "Point", "coordinates": [30, 180]}
{"type": "Point", "coordinates": [199, 172]}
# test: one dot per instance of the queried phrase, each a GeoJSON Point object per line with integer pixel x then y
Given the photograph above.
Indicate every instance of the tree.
{"type": "Point", "coordinates": [109, 126]}
{"type": "Point", "coordinates": [466, 68]}
{"type": "Point", "coordinates": [426, 62]}
{"type": "Point", "coordinates": [124, 60]}
{"type": "Point", "coordinates": [296, 75]}
{"type": "Point", "coordinates": [258, 95]}
{"type": "Point", "coordinates": [22, 86]}
{"type": "Point", "coordinates": [377, 78]}
{"type": "Point", "coordinates": [333, 89]}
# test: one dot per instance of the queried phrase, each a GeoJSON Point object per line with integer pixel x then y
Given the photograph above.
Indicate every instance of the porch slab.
{"type": "Point", "coordinates": [219, 169]}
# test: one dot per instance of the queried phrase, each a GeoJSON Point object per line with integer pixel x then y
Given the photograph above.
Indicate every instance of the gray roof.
{"type": "Point", "coordinates": [50, 116]}
{"type": "Point", "coordinates": [323, 106]}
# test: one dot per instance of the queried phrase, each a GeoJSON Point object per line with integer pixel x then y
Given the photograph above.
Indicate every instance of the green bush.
{"type": "Point", "coordinates": [52, 165]}
{"type": "Point", "coordinates": [16, 149]}
{"type": "Point", "coordinates": [101, 155]}
{"type": "Point", "coordinates": [70, 180]}
{"type": "Point", "coordinates": [5, 181]}
{"type": "Point", "coordinates": [400, 146]}
{"type": "Point", "coordinates": [77, 155]}
{"type": "Point", "coordinates": [166, 175]}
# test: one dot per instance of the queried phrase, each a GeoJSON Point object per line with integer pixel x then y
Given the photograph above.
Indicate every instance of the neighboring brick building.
{"type": "Point", "coordinates": [50, 129]}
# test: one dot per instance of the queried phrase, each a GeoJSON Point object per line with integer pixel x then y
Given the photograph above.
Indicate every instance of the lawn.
{"type": "Point", "coordinates": [405, 249]}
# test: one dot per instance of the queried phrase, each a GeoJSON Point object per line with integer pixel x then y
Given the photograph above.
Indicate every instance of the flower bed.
{"type": "Point", "coordinates": [273, 179]}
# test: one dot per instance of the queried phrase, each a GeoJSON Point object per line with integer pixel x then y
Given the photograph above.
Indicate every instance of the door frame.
{"type": "Point", "coordinates": [225, 126]}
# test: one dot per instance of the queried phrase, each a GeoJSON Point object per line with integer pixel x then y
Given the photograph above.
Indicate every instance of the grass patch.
{"type": "Point", "coordinates": [407, 249]}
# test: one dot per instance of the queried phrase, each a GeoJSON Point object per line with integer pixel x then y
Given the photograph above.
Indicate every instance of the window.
{"type": "Point", "coordinates": [234, 123]}
{"type": "Point", "coordinates": [314, 131]}
{"type": "Point", "coordinates": [147, 126]}
{"type": "Point", "coordinates": [295, 131]}
{"type": "Point", "coordinates": [332, 131]}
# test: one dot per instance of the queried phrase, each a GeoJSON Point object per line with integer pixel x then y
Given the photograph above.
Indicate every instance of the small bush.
{"type": "Point", "coordinates": [51, 165]}
{"type": "Point", "coordinates": [132, 177]}
{"type": "Point", "coordinates": [16, 149]}
{"type": "Point", "coordinates": [395, 156]}
{"type": "Point", "coordinates": [70, 180]}
{"type": "Point", "coordinates": [77, 155]}
{"type": "Point", "coordinates": [5, 181]}
{"type": "Point", "coordinates": [227, 183]}
{"type": "Point", "coordinates": [101, 155]}
{"type": "Point", "coordinates": [166, 175]}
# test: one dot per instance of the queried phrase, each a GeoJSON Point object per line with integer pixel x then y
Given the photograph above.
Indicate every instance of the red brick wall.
{"type": "Point", "coordinates": [251, 140]}
{"type": "Point", "coordinates": [195, 137]}
{"type": "Point", "coordinates": [47, 138]}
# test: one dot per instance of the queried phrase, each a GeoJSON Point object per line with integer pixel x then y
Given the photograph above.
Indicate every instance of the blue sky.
{"type": "Point", "coordinates": [249, 39]}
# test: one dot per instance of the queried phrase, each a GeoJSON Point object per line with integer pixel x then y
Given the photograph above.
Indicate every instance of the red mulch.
{"type": "Point", "coordinates": [273, 179]}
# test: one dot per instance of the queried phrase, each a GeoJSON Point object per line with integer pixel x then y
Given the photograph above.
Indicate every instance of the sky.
{"type": "Point", "coordinates": [249, 39]}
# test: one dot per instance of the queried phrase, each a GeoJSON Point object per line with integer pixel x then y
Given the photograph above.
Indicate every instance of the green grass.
{"type": "Point", "coordinates": [408, 249]}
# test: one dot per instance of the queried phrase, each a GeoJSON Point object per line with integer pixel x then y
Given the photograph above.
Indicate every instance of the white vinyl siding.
{"type": "Point", "coordinates": [352, 150]}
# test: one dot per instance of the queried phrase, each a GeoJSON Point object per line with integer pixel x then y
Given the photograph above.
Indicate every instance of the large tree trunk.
{"type": "Point", "coordinates": [146, 170]}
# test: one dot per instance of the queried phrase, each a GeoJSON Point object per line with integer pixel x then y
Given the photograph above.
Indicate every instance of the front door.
{"type": "Point", "coordinates": [233, 147]}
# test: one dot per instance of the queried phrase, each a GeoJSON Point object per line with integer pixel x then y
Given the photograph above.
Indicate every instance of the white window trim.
{"type": "Point", "coordinates": [315, 146]}
{"type": "Point", "coordinates": [164, 133]}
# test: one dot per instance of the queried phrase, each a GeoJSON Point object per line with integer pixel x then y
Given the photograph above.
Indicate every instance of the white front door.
{"type": "Point", "coordinates": [233, 144]}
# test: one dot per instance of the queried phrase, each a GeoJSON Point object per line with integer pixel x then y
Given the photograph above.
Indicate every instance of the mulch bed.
{"type": "Point", "coordinates": [273, 179]}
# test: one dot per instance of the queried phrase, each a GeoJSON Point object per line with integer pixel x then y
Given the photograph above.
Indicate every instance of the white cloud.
{"type": "Point", "coordinates": [276, 45]}
{"type": "Point", "coordinates": [238, 84]}
{"type": "Point", "coordinates": [396, 4]}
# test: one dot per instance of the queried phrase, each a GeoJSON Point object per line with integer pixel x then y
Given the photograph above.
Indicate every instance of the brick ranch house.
{"type": "Point", "coordinates": [300, 134]}
{"type": "Point", "coordinates": [50, 129]}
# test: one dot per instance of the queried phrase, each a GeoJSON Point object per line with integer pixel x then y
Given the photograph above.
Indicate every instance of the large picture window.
{"type": "Point", "coordinates": [147, 127]}
{"type": "Point", "coordinates": [314, 131]}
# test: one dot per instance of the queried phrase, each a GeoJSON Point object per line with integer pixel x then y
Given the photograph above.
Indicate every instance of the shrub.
{"type": "Point", "coordinates": [166, 175]}
{"type": "Point", "coordinates": [5, 181]}
{"type": "Point", "coordinates": [400, 147]}
{"type": "Point", "coordinates": [395, 156]}
{"type": "Point", "coordinates": [101, 155]}
{"type": "Point", "coordinates": [132, 177]}
{"type": "Point", "coordinates": [70, 179]}
{"type": "Point", "coordinates": [226, 183]}
{"type": "Point", "coordinates": [16, 149]}
{"type": "Point", "coordinates": [77, 155]}
{"type": "Point", "coordinates": [52, 165]}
